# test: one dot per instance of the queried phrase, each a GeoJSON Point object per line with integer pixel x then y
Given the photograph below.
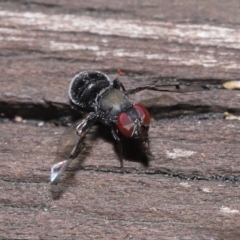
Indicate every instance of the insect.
{"type": "Point", "coordinates": [108, 101]}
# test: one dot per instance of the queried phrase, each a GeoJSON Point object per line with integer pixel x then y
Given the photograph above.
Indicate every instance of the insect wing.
{"type": "Point", "coordinates": [69, 143]}
{"type": "Point", "coordinates": [57, 169]}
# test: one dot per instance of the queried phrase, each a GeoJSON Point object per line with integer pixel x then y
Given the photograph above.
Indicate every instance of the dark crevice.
{"type": "Point", "coordinates": [29, 181]}
{"type": "Point", "coordinates": [235, 179]}
{"type": "Point", "coordinates": [30, 5]}
{"type": "Point", "coordinates": [159, 171]}
{"type": "Point", "coordinates": [61, 113]}
{"type": "Point", "coordinates": [191, 111]}
{"type": "Point", "coordinates": [168, 173]}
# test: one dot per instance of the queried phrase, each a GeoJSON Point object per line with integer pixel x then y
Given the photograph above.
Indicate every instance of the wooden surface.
{"type": "Point", "coordinates": [190, 190]}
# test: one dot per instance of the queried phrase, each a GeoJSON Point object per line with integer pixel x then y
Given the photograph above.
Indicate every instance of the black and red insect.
{"type": "Point", "coordinates": [108, 101]}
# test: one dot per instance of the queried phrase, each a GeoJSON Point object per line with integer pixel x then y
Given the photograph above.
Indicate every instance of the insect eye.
{"type": "Point", "coordinates": [142, 113]}
{"type": "Point", "coordinates": [125, 124]}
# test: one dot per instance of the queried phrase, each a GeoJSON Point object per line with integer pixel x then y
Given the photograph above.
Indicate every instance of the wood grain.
{"type": "Point", "coordinates": [190, 190]}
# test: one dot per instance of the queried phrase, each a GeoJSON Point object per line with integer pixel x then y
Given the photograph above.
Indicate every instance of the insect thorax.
{"type": "Point", "coordinates": [113, 102]}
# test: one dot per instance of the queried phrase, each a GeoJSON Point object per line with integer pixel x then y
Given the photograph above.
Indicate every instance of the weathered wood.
{"type": "Point", "coordinates": [92, 40]}
{"type": "Point", "coordinates": [190, 190]}
{"type": "Point", "coordinates": [108, 203]}
{"type": "Point", "coordinates": [190, 149]}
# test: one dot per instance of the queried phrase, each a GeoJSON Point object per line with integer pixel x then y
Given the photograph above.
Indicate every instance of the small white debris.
{"type": "Point", "coordinates": [179, 153]}
{"type": "Point", "coordinates": [40, 124]}
{"type": "Point", "coordinates": [230, 85]}
{"type": "Point", "coordinates": [17, 119]}
{"type": "Point", "coordinates": [228, 210]}
{"type": "Point", "coordinates": [229, 116]}
{"type": "Point", "coordinates": [153, 209]}
{"type": "Point", "coordinates": [208, 190]}
{"type": "Point", "coordinates": [185, 184]}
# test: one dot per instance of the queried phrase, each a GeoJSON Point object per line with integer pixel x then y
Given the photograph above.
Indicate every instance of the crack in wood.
{"type": "Point", "coordinates": [58, 112]}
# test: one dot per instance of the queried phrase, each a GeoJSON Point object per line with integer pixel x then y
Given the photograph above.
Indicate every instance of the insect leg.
{"type": "Point", "coordinates": [153, 87]}
{"type": "Point", "coordinates": [175, 87]}
{"type": "Point", "coordinates": [144, 141]}
{"type": "Point", "coordinates": [118, 85]}
{"type": "Point", "coordinates": [119, 145]}
{"type": "Point", "coordinates": [81, 130]}
{"type": "Point", "coordinates": [145, 147]}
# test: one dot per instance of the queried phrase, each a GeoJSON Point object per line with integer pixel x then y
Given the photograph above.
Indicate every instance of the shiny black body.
{"type": "Point", "coordinates": [92, 91]}
{"type": "Point", "coordinates": [85, 88]}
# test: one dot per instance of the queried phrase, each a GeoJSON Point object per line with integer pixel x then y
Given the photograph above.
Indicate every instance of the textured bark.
{"type": "Point", "coordinates": [190, 190]}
